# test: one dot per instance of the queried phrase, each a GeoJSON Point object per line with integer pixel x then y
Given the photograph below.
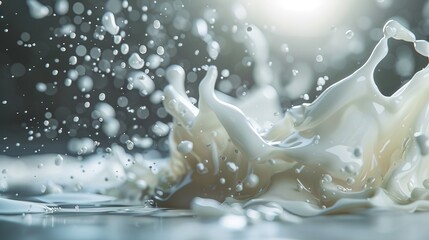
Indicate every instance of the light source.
{"type": "Point", "coordinates": [298, 17]}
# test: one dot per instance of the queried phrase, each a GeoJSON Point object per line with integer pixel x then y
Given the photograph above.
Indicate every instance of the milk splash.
{"type": "Point", "coordinates": [351, 148]}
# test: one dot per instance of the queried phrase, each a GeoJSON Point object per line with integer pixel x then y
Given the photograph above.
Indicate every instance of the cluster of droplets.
{"type": "Point", "coordinates": [118, 71]}
{"type": "Point", "coordinates": [98, 51]}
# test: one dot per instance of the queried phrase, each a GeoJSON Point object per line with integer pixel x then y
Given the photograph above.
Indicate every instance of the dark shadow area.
{"type": "Point", "coordinates": [398, 67]}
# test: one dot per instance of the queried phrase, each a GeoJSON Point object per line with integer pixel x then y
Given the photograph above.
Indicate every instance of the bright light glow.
{"type": "Point", "coordinates": [297, 5]}
{"type": "Point", "coordinates": [299, 17]}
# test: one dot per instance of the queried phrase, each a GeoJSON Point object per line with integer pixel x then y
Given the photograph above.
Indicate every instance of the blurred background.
{"type": "Point", "coordinates": [65, 76]}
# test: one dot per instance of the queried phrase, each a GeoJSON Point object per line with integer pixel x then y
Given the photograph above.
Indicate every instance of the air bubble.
{"type": "Point", "coordinates": [349, 34]}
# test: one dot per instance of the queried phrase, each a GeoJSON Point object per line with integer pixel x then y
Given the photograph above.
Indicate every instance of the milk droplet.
{"type": "Point", "coordinates": [295, 72]}
{"type": "Point", "coordinates": [222, 181]}
{"type": "Point", "coordinates": [160, 129]}
{"type": "Point", "coordinates": [252, 181]}
{"type": "Point", "coordinates": [349, 34]}
{"type": "Point", "coordinates": [201, 169]}
{"type": "Point", "coordinates": [156, 24]}
{"type": "Point", "coordinates": [59, 160]}
{"type": "Point", "coordinates": [108, 21]}
{"type": "Point", "coordinates": [153, 61]}
{"type": "Point", "coordinates": [111, 127]}
{"type": "Point", "coordinates": [319, 58]}
{"type": "Point", "coordinates": [101, 96]}
{"type": "Point", "coordinates": [117, 39]}
{"type": "Point", "coordinates": [213, 49]}
{"type": "Point", "coordinates": [61, 7]}
{"type": "Point", "coordinates": [142, 82]}
{"type": "Point", "coordinates": [239, 187]}
{"type": "Point", "coordinates": [85, 83]}
{"type": "Point", "coordinates": [73, 60]}
{"type": "Point", "coordinates": [160, 50]}
{"type": "Point", "coordinates": [231, 167]}
{"type": "Point", "coordinates": [130, 144]}
{"type": "Point", "coordinates": [185, 147]}
{"type": "Point", "coordinates": [37, 10]}
{"type": "Point", "coordinates": [327, 178]}
{"type": "Point", "coordinates": [125, 48]}
{"type": "Point", "coordinates": [143, 112]}
{"type": "Point", "coordinates": [200, 27]}
{"type": "Point", "coordinates": [41, 87]}
{"type": "Point", "coordinates": [135, 61]}
{"type": "Point", "coordinates": [142, 49]}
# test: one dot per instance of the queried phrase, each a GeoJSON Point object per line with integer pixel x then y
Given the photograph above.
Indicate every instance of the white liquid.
{"type": "Point", "coordinates": [352, 148]}
{"type": "Point", "coordinates": [108, 21]}
{"type": "Point", "coordinates": [135, 61]}
{"type": "Point", "coordinates": [37, 10]}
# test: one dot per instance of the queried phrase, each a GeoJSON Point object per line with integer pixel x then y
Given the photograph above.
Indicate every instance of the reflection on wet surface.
{"type": "Point", "coordinates": [137, 222]}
